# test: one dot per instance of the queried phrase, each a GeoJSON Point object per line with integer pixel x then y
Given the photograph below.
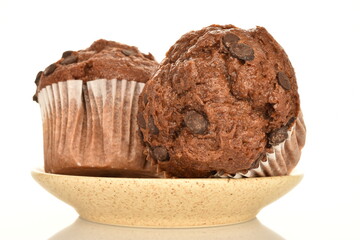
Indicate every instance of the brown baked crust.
{"type": "Point", "coordinates": [220, 100]}
{"type": "Point", "coordinates": [102, 60]}
{"type": "Point", "coordinates": [89, 103]}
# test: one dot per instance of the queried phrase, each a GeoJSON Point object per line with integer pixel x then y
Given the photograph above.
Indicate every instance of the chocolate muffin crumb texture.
{"type": "Point", "coordinates": [221, 99]}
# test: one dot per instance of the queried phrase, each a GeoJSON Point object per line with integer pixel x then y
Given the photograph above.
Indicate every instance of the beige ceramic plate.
{"type": "Point", "coordinates": [166, 202]}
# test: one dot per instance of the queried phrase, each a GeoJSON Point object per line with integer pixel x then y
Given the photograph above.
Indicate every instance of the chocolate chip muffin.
{"type": "Point", "coordinates": [224, 102]}
{"type": "Point", "coordinates": [89, 103]}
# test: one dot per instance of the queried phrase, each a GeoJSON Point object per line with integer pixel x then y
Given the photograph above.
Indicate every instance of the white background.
{"type": "Point", "coordinates": [322, 39]}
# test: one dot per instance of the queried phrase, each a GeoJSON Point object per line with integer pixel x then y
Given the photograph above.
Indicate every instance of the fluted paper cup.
{"type": "Point", "coordinates": [282, 158]}
{"type": "Point", "coordinates": [90, 128]}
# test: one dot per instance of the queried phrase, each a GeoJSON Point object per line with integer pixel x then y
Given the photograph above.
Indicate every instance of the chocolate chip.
{"type": "Point", "coordinates": [229, 39]}
{"type": "Point", "coordinates": [196, 122]}
{"type": "Point", "coordinates": [50, 69]}
{"type": "Point", "coordinates": [141, 120]}
{"type": "Point", "coordinates": [160, 154]}
{"type": "Point", "coordinates": [152, 127]}
{"type": "Point", "coordinates": [242, 51]}
{"type": "Point", "coordinates": [127, 52]}
{"type": "Point", "coordinates": [278, 135]}
{"type": "Point", "coordinates": [283, 80]}
{"type": "Point", "coordinates": [66, 54]}
{"type": "Point", "coordinates": [35, 98]}
{"type": "Point", "coordinates": [69, 60]}
{"type": "Point", "coordinates": [37, 79]}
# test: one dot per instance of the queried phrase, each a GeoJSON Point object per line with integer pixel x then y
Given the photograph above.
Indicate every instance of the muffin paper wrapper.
{"type": "Point", "coordinates": [283, 158]}
{"type": "Point", "coordinates": [92, 124]}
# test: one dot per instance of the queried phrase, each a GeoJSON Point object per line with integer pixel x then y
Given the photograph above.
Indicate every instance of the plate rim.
{"type": "Point", "coordinates": [41, 171]}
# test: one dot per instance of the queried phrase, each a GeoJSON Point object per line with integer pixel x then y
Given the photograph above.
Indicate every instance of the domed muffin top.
{"type": "Point", "coordinates": [220, 100]}
{"type": "Point", "coordinates": [102, 60]}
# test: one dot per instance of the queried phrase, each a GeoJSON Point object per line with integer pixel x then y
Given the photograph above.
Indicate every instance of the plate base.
{"type": "Point", "coordinates": [146, 202]}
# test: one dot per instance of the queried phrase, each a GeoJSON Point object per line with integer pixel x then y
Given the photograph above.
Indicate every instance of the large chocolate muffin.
{"type": "Point", "coordinates": [89, 102]}
{"type": "Point", "coordinates": [220, 104]}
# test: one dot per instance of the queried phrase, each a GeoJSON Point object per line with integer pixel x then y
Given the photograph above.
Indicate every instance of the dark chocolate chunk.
{"type": "Point", "coordinates": [242, 51]}
{"type": "Point", "coordinates": [35, 98]}
{"type": "Point", "coordinates": [283, 80]}
{"type": "Point", "coordinates": [152, 127]}
{"type": "Point", "coordinates": [67, 54]}
{"type": "Point", "coordinates": [196, 122]}
{"type": "Point", "coordinates": [50, 69]}
{"type": "Point", "coordinates": [69, 60]}
{"type": "Point", "coordinates": [127, 52]}
{"type": "Point", "coordinates": [160, 154]}
{"type": "Point", "coordinates": [37, 79]}
{"type": "Point", "coordinates": [278, 135]}
{"type": "Point", "coordinates": [229, 39]}
{"type": "Point", "coordinates": [141, 120]}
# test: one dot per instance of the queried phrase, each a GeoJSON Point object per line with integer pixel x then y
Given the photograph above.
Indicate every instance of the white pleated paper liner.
{"type": "Point", "coordinates": [92, 126]}
{"type": "Point", "coordinates": [283, 158]}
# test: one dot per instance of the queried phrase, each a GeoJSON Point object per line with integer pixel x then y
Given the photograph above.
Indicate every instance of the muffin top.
{"type": "Point", "coordinates": [102, 60]}
{"type": "Point", "coordinates": [222, 97]}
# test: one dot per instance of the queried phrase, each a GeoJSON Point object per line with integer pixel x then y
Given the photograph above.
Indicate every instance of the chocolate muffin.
{"type": "Point", "coordinates": [89, 103]}
{"type": "Point", "coordinates": [224, 102]}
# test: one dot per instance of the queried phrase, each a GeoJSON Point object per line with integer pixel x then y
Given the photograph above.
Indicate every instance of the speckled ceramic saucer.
{"type": "Point", "coordinates": [148, 202]}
